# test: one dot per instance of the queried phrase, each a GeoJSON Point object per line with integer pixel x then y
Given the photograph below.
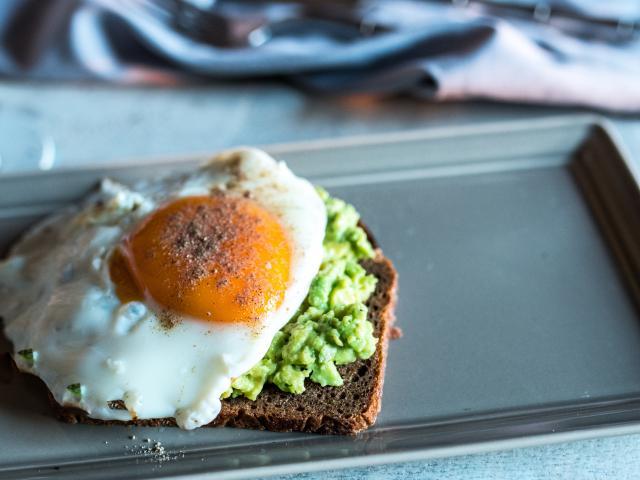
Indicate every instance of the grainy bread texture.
{"type": "Point", "coordinates": [332, 410]}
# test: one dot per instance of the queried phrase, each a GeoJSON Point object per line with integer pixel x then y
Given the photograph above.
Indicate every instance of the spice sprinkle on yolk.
{"type": "Point", "coordinates": [217, 258]}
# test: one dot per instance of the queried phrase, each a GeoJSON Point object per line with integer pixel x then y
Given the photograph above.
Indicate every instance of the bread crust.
{"type": "Point", "coordinates": [347, 409]}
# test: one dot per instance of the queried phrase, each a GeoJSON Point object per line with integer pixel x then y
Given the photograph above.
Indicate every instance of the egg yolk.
{"type": "Point", "coordinates": [216, 258]}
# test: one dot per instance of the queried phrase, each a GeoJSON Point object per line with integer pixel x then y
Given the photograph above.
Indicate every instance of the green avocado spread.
{"type": "Point", "coordinates": [330, 328]}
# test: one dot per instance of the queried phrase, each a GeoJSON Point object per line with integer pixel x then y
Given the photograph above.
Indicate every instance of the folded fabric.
{"type": "Point", "coordinates": [438, 50]}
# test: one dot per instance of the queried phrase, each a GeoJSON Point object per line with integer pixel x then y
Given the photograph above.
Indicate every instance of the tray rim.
{"type": "Point", "coordinates": [367, 139]}
{"type": "Point", "coordinates": [361, 460]}
{"type": "Point", "coordinates": [426, 454]}
{"type": "Point", "coordinates": [424, 134]}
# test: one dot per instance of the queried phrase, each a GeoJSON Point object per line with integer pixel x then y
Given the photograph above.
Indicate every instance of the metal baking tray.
{"type": "Point", "coordinates": [517, 248]}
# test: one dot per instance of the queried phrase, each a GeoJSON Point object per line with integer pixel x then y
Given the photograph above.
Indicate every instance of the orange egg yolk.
{"type": "Point", "coordinates": [216, 258]}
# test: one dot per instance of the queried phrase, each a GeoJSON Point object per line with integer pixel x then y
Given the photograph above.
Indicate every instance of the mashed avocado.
{"type": "Point", "coordinates": [330, 328]}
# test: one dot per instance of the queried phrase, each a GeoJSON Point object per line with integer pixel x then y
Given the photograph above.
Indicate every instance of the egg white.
{"type": "Point", "coordinates": [57, 298]}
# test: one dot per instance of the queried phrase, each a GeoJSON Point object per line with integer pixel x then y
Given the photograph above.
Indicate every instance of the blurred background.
{"type": "Point", "coordinates": [111, 80]}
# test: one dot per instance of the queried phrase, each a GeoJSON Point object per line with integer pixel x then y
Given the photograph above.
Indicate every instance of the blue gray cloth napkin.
{"type": "Point", "coordinates": [563, 52]}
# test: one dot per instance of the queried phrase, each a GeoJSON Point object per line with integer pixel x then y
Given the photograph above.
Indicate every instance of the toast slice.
{"type": "Point", "coordinates": [347, 409]}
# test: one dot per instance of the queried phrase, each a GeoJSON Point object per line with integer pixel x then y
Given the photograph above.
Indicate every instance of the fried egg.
{"type": "Point", "coordinates": [159, 295]}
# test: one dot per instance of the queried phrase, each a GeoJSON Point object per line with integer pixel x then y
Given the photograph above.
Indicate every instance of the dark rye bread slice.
{"type": "Point", "coordinates": [331, 410]}
{"type": "Point", "coordinates": [343, 410]}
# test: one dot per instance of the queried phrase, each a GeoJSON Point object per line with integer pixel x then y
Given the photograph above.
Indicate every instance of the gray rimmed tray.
{"type": "Point", "coordinates": [517, 250]}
